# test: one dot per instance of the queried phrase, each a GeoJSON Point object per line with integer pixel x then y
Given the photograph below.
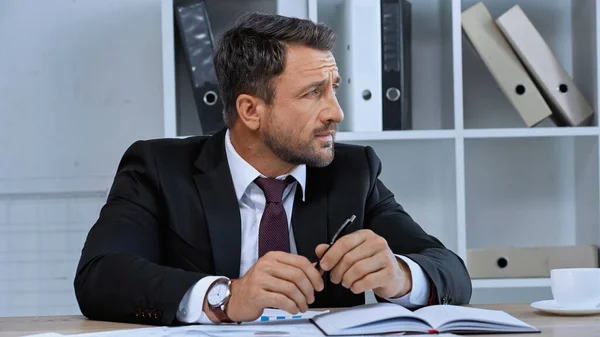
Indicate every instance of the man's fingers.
{"type": "Point", "coordinates": [295, 269]}
{"type": "Point", "coordinates": [340, 248]}
{"type": "Point", "coordinates": [364, 267]}
{"type": "Point", "coordinates": [371, 281]}
{"type": "Point", "coordinates": [296, 276]}
{"type": "Point", "coordinates": [321, 249]}
{"type": "Point", "coordinates": [357, 254]}
{"type": "Point", "coordinates": [279, 301]}
{"type": "Point", "coordinates": [307, 268]}
{"type": "Point", "coordinates": [289, 289]}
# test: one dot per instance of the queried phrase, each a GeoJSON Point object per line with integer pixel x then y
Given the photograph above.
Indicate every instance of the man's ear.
{"type": "Point", "coordinates": [251, 110]}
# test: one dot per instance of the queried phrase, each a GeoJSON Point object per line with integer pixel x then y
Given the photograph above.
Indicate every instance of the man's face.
{"type": "Point", "coordinates": [300, 125]}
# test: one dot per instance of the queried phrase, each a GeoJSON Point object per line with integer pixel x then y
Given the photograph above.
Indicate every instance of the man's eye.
{"type": "Point", "coordinates": [317, 91]}
{"type": "Point", "coordinates": [314, 92]}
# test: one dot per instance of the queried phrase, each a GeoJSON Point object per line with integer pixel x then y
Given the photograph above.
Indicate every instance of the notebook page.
{"type": "Point", "coordinates": [439, 315]}
{"type": "Point", "coordinates": [360, 315]}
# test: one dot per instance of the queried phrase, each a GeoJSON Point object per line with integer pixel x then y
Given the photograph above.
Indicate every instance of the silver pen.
{"type": "Point", "coordinates": [335, 237]}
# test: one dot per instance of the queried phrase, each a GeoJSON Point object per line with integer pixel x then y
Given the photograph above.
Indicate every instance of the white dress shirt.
{"type": "Point", "coordinates": [251, 201]}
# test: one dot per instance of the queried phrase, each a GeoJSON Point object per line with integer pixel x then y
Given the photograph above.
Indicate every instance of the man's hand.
{"type": "Point", "coordinates": [363, 261]}
{"type": "Point", "coordinates": [277, 280]}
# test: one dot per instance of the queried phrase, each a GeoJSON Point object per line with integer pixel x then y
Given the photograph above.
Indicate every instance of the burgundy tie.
{"type": "Point", "coordinates": [273, 233]}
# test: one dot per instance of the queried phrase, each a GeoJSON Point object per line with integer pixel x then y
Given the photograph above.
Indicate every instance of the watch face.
{"type": "Point", "coordinates": [217, 293]}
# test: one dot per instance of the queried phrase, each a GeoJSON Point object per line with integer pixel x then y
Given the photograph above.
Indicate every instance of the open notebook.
{"type": "Point", "coordinates": [382, 318]}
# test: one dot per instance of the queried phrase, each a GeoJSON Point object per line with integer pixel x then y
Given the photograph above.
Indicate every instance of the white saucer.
{"type": "Point", "coordinates": [550, 306]}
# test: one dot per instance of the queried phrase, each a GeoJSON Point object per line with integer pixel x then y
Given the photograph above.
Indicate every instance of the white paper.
{"type": "Point", "coordinates": [278, 315]}
{"type": "Point", "coordinates": [285, 328]}
{"type": "Point", "coordinates": [270, 322]}
{"type": "Point", "coordinates": [290, 327]}
{"type": "Point", "coordinates": [282, 328]}
{"type": "Point", "coordinates": [297, 330]}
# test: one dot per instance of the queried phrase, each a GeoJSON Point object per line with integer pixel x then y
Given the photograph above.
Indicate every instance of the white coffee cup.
{"type": "Point", "coordinates": [576, 288]}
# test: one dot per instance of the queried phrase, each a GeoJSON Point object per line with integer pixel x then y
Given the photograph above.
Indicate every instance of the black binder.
{"type": "Point", "coordinates": [196, 42]}
{"type": "Point", "coordinates": [396, 64]}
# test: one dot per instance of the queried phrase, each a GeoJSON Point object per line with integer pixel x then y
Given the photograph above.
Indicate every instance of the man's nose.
{"type": "Point", "coordinates": [333, 112]}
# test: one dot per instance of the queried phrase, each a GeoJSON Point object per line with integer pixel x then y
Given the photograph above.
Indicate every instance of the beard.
{"type": "Point", "coordinates": [291, 150]}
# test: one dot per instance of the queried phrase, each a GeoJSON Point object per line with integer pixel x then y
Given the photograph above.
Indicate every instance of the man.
{"type": "Point", "coordinates": [216, 229]}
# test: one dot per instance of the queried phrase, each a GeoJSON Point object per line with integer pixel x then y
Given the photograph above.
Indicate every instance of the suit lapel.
{"type": "Point", "coordinates": [309, 217]}
{"type": "Point", "coordinates": [220, 206]}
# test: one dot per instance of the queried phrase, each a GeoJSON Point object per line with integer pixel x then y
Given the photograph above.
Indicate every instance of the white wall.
{"type": "Point", "coordinates": [80, 80]}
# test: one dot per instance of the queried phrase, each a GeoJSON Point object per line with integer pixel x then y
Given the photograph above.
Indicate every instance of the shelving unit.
{"type": "Point", "coordinates": [527, 133]}
{"type": "Point", "coordinates": [470, 172]}
{"type": "Point", "coordinates": [395, 135]}
{"type": "Point", "coordinates": [511, 283]}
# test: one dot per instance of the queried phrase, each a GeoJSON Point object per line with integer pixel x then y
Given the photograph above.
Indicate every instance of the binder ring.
{"type": "Point", "coordinates": [366, 94]}
{"type": "Point", "coordinates": [210, 97]}
{"type": "Point", "coordinates": [563, 88]}
{"type": "Point", "coordinates": [393, 94]}
{"type": "Point", "coordinates": [520, 89]}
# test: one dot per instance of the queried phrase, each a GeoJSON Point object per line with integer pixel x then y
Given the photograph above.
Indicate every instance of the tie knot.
{"type": "Point", "coordinates": [273, 188]}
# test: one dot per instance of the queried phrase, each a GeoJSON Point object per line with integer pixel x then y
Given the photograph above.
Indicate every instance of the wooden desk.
{"type": "Point", "coordinates": [551, 325]}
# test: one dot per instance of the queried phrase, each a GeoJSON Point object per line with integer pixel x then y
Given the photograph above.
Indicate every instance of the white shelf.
{"type": "Point", "coordinates": [395, 135]}
{"type": "Point", "coordinates": [510, 283]}
{"type": "Point", "coordinates": [531, 132]}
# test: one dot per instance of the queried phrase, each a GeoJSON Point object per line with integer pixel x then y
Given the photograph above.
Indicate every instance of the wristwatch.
{"type": "Point", "coordinates": [218, 296]}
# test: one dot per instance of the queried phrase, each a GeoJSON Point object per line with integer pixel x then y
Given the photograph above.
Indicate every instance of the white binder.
{"type": "Point", "coordinates": [504, 64]}
{"type": "Point", "coordinates": [566, 101]}
{"type": "Point", "coordinates": [359, 62]}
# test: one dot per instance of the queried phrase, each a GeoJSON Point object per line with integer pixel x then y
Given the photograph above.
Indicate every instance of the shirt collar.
{"type": "Point", "coordinates": [243, 174]}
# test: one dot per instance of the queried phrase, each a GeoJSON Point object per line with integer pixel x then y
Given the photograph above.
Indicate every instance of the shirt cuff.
{"type": "Point", "coordinates": [419, 294]}
{"type": "Point", "coordinates": [191, 305]}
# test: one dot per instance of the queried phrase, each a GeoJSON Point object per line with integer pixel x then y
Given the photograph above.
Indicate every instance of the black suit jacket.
{"type": "Point", "coordinates": [172, 218]}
